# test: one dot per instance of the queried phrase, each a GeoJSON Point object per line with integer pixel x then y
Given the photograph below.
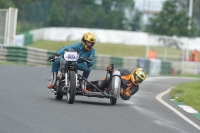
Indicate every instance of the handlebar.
{"type": "Point", "coordinates": [56, 57]}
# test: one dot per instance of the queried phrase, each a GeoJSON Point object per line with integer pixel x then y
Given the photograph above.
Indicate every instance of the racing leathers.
{"type": "Point", "coordinates": [127, 87]}
{"type": "Point", "coordinates": [81, 64]}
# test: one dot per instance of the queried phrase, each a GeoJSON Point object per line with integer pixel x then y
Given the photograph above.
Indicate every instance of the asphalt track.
{"type": "Point", "coordinates": [27, 106]}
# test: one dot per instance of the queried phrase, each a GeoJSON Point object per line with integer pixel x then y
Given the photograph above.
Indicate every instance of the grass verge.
{"type": "Point", "coordinates": [188, 93]}
{"type": "Point", "coordinates": [119, 50]}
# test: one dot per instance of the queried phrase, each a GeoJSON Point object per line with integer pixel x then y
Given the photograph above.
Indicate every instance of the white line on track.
{"type": "Point", "coordinates": [159, 98]}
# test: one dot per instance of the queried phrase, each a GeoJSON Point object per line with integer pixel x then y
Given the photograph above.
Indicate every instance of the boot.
{"type": "Point", "coordinates": [83, 85]}
{"type": "Point", "coordinates": [53, 80]}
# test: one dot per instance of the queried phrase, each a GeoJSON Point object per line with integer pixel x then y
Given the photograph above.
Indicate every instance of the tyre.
{"type": "Point", "coordinates": [59, 95]}
{"type": "Point", "coordinates": [113, 101]}
{"type": "Point", "coordinates": [72, 87]}
{"type": "Point", "coordinates": [115, 86]}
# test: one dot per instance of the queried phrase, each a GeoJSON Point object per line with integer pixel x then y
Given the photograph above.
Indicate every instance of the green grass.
{"type": "Point", "coordinates": [188, 93]}
{"type": "Point", "coordinates": [118, 50]}
{"type": "Point", "coordinates": [100, 48]}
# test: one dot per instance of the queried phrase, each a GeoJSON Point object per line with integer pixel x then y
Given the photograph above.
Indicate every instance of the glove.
{"type": "Point", "coordinates": [88, 58]}
{"type": "Point", "coordinates": [52, 58]}
{"type": "Point", "coordinates": [110, 68]}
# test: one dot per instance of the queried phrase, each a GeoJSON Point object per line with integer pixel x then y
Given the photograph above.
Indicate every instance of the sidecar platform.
{"type": "Point", "coordinates": [89, 94]}
{"type": "Point", "coordinates": [95, 94]}
{"type": "Point", "coordinates": [98, 93]}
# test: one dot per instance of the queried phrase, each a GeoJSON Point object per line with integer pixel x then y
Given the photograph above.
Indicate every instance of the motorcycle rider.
{"type": "Point", "coordinates": [129, 81]}
{"type": "Point", "coordinates": [84, 48]}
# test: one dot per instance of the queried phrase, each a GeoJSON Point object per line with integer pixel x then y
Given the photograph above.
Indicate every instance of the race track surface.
{"type": "Point", "coordinates": [27, 106]}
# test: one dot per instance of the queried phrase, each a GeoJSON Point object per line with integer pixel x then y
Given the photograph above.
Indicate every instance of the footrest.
{"type": "Point", "coordinates": [53, 91]}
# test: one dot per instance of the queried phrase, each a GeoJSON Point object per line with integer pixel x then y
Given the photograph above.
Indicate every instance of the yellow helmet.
{"type": "Point", "coordinates": [88, 37]}
{"type": "Point", "coordinates": [138, 76]}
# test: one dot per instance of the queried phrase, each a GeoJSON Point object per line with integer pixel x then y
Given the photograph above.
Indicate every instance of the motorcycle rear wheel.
{"type": "Point", "coordinates": [58, 96]}
{"type": "Point", "coordinates": [72, 87]}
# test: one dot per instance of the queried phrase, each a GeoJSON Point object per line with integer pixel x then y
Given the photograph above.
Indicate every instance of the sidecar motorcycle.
{"type": "Point", "coordinates": [70, 83]}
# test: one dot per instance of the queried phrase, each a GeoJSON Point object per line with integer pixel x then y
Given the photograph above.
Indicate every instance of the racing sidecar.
{"type": "Point", "coordinates": [69, 81]}
{"type": "Point", "coordinates": [113, 80]}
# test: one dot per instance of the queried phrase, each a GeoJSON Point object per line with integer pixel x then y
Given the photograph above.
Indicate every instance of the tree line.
{"type": "Point", "coordinates": [106, 14]}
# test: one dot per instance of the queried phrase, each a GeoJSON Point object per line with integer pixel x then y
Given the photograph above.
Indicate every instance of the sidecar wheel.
{"type": "Point", "coordinates": [113, 101]}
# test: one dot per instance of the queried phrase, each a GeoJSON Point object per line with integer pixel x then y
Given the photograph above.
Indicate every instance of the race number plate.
{"type": "Point", "coordinates": [71, 56]}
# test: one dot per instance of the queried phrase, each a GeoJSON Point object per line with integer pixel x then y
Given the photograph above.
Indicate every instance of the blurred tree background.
{"type": "Point", "coordinates": [105, 14]}
{"type": "Point", "coordinates": [172, 21]}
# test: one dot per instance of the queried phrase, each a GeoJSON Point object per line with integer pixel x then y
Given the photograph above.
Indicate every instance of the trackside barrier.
{"type": "Point", "coordinates": [147, 66]}
{"type": "Point", "coordinates": [3, 53]}
{"type": "Point", "coordinates": [101, 62]}
{"type": "Point", "coordinates": [130, 63]}
{"type": "Point", "coordinates": [38, 57]}
{"type": "Point", "coordinates": [185, 67]}
{"type": "Point", "coordinates": [28, 38]}
{"type": "Point", "coordinates": [30, 56]}
{"type": "Point", "coordinates": [24, 39]}
{"type": "Point", "coordinates": [141, 63]}
{"type": "Point", "coordinates": [155, 67]}
{"type": "Point", "coordinates": [166, 68]}
{"type": "Point", "coordinates": [190, 67]}
{"type": "Point", "coordinates": [16, 54]}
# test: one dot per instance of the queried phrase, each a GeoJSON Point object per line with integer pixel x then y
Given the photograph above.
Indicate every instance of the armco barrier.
{"type": "Point", "coordinates": [3, 53]}
{"type": "Point", "coordinates": [165, 67]}
{"type": "Point", "coordinates": [38, 57]}
{"type": "Point", "coordinates": [102, 62]}
{"type": "Point", "coordinates": [24, 39]}
{"type": "Point", "coordinates": [117, 61]}
{"type": "Point", "coordinates": [28, 38]}
{"type": "Point", "coordinates": [185, 67]}
{"type": "Point", "coordinates": [38, 34]}
{"type": "Point", "coordinates": [155, 67]}
{"type": "Point", "coordinates": [30, 56]}
{"type": "Point", "coordinates": [129, 63]}
{"type": "Point", "coordinates": [16, 54]}
{"type": "Point", "coordinates": [190, 67]}
{"type": "Point", "coordinates": [147, 66]}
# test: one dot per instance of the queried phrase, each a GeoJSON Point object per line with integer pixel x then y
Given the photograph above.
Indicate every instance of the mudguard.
{"type": "Point", "coordinates": [116, 83]}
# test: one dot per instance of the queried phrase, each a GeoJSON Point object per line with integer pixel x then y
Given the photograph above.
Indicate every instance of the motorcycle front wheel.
{"type": "Point", "coordinates": [72, 87]}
